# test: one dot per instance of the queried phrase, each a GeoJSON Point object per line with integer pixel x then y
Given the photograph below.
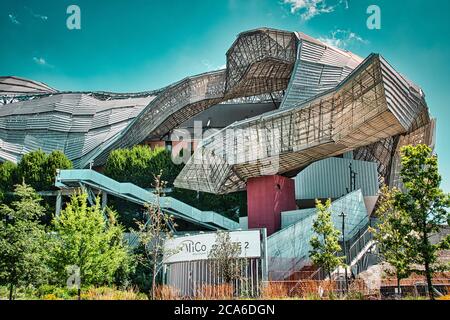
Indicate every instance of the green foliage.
{"type": "Point", "coordinates": [23, 241]}
{"type": "Point", "coordinates": [393, 235]}
{"type": "Point", "coordinates": [89, 241]}
{"type": "Point", "coordinates": [325, 244]}
{"type": "Point", "coordinates": [52, 292]}
{"type": "Point", "coordinates": [54, 161]}
{"type": "Point", "coordinates": [152, 233]}
{"type": "Point", "coordinates": [140, 164]}
{"type": "Point", "coordinates": [224, 255]}
{"type": "Point", "coordinates": [8, 176]}
{"type": "Point", "coordinates": [228, 204]}
{"type": "Point", "coordinates": [8, 172]}
{"type": "Point", "coordinates": [424, 202]}
{"type": "Point", "coordinates": [36, 168]}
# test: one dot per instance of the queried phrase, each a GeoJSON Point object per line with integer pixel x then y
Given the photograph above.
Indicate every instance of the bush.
{"type": "Point", "coordinates": [107, 293]}
{"type": "Point", "coordinates": [87, 240]}
{"type": "Point", "coordinates": [35, 168]}
{"type": "Point", "coordinates": [140, 164]}
{"type": "Point", "coordinates": [51, 292]}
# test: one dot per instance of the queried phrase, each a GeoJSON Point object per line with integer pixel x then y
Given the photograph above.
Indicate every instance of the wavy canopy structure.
{"type": "Point", "coordinates": [332, 102]}
{"type": "Point", "coordinates": [374, 103]}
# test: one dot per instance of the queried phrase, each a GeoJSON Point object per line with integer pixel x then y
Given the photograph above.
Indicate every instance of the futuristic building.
{"type": "Point", "coordinates": [286, 106]}
{"type": "Point", "coordinates": [327, 108]}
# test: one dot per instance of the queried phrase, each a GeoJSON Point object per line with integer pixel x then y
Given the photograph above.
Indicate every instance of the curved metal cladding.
{"type": "Point", "coordinates": [73, 123]}
{"type": "Point", "coordinates": [318, 68]}
{"type": "Point", "coordinates": [329, 178]}
{"type": "Point", "coordinates": [373, 103]}
{"type": "Point", "coordinates": [11, 87]}
{"type": "Point", "coordinates": [259, 62]}
{"type": "Point", "coordinates": [327, 110]}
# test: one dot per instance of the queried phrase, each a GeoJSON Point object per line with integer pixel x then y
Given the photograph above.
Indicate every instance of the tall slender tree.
{"type": "Point", "coordinates": [23, 241]}
{"type": "Point", "coordinates": [393, 235]}
{"type": "Point", "coordinates": [152, 233]}
{"type": "Point", "coordinates": [325, 244]}
{"type": "Point", "coordinates": [225, 256]}
{"type": "Point", "coordinates": [424, 202]}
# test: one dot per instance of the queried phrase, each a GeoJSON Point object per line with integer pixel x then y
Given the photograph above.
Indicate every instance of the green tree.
{"type": "Point", "coordinates": [393, 235]}
{"type": "Point", "coordinates": [8, 177]}
{"type": "Point", "coordinates": [24, 245]}
{"type": "Point", "coordinates": [325, 244]}
{"type": "Point", "coordinates": [54, 161]}
{"type": "Point", "coordinates": [39, 169]}
{"type": "Point", "coordinates": [91, 240]}
{"type": "Point", "coordinates": [424, 202]}
{"type": "Point", "coordinates": [31, 169]}
{"type": "Point", "coordinates": [140, 164]}
{"type": "Point", "coordinates": [152, 234]}
{"type": "Point", "coordinates": [225, 256]}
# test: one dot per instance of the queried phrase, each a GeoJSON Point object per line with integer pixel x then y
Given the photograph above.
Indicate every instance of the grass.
{"type": "Point", "coordinates": [305, 290]}
{"type": "Point", "coordinates": [48, 292]}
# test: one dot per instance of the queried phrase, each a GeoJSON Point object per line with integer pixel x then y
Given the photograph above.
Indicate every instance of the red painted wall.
{"type": "Point", "coordinates": [267, 197]}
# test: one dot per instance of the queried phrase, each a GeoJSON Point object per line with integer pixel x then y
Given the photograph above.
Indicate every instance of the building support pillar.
{"type": "Point", "coordinates": [267, 197]}
{"type": "Point", "coordinates": [58, 203]}
{"type": "Point", "coordinates": [104, 200]}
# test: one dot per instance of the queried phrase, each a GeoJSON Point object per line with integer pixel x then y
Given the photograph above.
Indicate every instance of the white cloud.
{"type": "Point", "coordinates": [343, 38]}
{"type": "Point", "coordinates": [308, 9]}
{"type": "Point", "coordinates": [36, 15]}
{"type": "Point", "coordinates": [210, 67]}
{"type": "Point", "coordinates": [39, 16]}
{"type": "Point", "coordinates": [42, 62]}
{"type": "Point", "coordinates": [13, 19]}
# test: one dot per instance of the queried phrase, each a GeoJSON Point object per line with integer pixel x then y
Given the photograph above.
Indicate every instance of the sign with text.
{"type": "Point", "coordinates": [198, 247]}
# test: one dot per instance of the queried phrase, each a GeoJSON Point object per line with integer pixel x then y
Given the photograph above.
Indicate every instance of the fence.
{"type": "Point", "coordinates": [205, 279]}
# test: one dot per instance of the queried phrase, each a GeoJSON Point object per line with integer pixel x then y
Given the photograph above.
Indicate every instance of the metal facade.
{"type": "Point", "coordinates": [372, 104]}
{"type": "Point", "coordinates": [330, 178]}
{"type": "Point", "coordinates": [288, 249]}
{"type": "Point", "coordinates": [332, 103]}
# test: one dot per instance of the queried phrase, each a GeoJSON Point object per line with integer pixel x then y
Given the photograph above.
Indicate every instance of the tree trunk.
{"type": "Point", "coordinates": [399, 288]}
{"type": "Point", "coordinates": [154, 281]}
{"type": "Point", "coordinates": [429, 280]}
{"type": "Point", "coordinates": [11, 290]}
{"type": "Point", "coordinates": [426, 258]}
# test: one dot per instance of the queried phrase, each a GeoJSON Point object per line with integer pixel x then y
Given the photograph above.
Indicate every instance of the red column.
{"type": "Point", "coordinates": [267, 197]}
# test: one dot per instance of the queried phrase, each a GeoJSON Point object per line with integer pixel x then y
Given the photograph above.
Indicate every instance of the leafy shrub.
{"type": "Point", "coordinates": [35, 168]}
{"type": "Point", "coordinates": [51, 292]}
{"type": "Point", "coordinates": [107, 293]}
{"type": "Point", "coordinates": [87, 240]}
{"type": "Point", "coordinates": [140, 164]}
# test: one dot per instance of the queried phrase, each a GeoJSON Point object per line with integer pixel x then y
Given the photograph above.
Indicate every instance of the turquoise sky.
{"type": "Point", "coordinates": [141, 45]}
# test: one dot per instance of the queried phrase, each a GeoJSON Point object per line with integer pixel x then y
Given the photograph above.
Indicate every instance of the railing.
{"type": "Point", "coordinates": [353, 247]}
{"type": "Point", "coordinates": [135, 194]}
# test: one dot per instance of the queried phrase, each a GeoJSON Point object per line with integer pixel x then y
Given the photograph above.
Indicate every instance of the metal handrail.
{"type": "Point", "coordinates": [353, 246]}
